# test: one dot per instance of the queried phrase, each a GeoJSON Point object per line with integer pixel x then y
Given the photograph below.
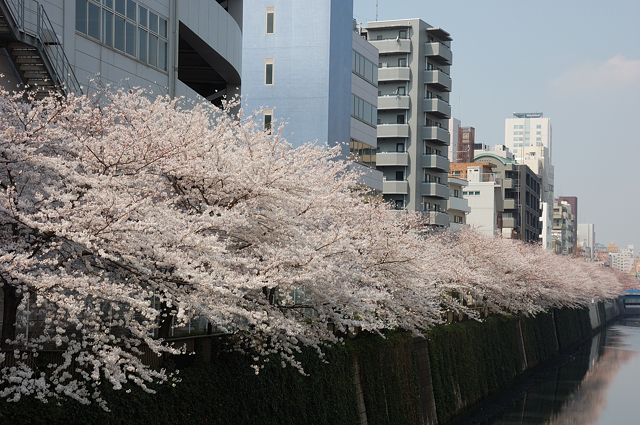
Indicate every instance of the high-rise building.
{"type": "Point", "coordinates": [562, 231]}
{"type": "Point", "coordinates": [587, 240]}
{"type": "Point", "coordinates": [413, 114]}
{"type": "Point", "coordinates": [321, 85]}
{"type": "Point", "coordinates": [528, 136]}
{"type": "Point", "coordinates": [171, 47]}
{"type": "Point", "coordinates": [573, 201]}
{"type": "Point", "coordinates": [454, 134]}
{"type": "Point", "coordinates": [466, 143]}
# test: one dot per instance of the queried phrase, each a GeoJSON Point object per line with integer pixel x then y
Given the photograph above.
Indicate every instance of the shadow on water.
{"type": "Point", "coordinates": [574, 387]}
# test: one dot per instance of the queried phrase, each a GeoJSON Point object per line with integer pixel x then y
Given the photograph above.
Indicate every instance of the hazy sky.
{"type": "Point", "coordinates": [578, 62]}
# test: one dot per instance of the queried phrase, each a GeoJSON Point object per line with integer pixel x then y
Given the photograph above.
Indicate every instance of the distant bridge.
{"type": "Point", "coordinates": [631, 301]}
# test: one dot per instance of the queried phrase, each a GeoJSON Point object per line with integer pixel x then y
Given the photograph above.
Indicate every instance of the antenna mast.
{"type": "Point", "coordinates": [376, 10]}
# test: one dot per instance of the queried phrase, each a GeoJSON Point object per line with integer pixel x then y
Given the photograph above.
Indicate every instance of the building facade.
{"type": "Point", "coordinates": [457, 205]}
{"type": "Point", "coordinates": [587, 240]}
{"type": "Point", "coordinates": [521, 192]}
{"type": "Point", "coordinates": [528, 136]}
{"type": "Point", "coordinates": [168, 46]}
{"type": "Point", "coordinates": [483, 194]}
{"type": "Point", "coordinates": [413, 114]}
{"type": "Point", "coordinates": [305, 65]}
{"type": "Point", "coordinates": [573, 201]}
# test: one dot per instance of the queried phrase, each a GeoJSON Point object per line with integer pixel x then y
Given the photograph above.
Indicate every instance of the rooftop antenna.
{"type": "Point", "coordinates": [376, 10]}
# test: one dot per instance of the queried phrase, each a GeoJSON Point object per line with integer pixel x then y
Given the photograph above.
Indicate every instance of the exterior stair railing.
{"type": "Point", "coordinates": [32, 26]}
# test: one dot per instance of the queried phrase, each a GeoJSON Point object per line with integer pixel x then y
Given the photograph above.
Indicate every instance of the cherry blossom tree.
{"type": "Point", "coordinates": [124, 213]}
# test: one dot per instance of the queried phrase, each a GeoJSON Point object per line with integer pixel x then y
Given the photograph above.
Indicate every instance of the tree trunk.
{"type": "Point", "coordinates": [11, 302]}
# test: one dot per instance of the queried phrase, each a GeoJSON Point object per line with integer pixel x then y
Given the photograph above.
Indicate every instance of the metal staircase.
{"type": "Point", "coordinates": [35, 49]}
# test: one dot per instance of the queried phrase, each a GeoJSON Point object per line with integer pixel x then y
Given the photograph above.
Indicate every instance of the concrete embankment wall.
{"type": "Point", "coordinates": [368, 380]}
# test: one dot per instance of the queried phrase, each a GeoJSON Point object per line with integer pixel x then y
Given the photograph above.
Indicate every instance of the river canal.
{"type": "Point", "coordinates": [598, 384]}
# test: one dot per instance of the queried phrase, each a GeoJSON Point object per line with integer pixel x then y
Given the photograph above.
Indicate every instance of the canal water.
{"type": "Point", "coordinates": [598, 384]}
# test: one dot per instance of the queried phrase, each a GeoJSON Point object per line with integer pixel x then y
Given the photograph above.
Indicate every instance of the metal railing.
{"type": "Point", "coordinates": [33, 21]}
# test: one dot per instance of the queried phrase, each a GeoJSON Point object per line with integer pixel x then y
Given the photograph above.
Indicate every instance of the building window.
{"type": "Point", "coordinates": [401, 91]}
{"type": "Point", "coordinates": [268, 120]}
{"type": "Point", "coordinates": [268, 71]}
{"type": "Point", "coordinates": [400, 119]}
{"type": "Point", "coordinates": [400, 176]}
{"type": "Point", "coordinates": [270, 19]}
{"type": "Point", "coordinates": [125, 26]}
{"type": "Point", "coordinates": [402, 34]}
{"type": "Point", "coordinates": [362, 153]}
{"type": "Point", "coordinates": [458, 219]}
{"type": "Point", "coordinates": [399, 147]}
{"type": "Point", "coordinates": [363, 110]}
{"type": "Point", "coordinates": [364, 68]}
{"type": "Point", "coordinates": [402, 62]}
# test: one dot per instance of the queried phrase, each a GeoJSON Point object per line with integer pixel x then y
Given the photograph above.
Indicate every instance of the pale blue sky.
{"type": "Point", "coordinates": [578, 62]}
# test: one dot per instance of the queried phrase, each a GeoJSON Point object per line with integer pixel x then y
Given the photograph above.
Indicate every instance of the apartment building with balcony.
{"type": "Point", "coordinates": [528, 135]}
{"type": "Point", "coordinates": [521, 192]}
{"type": "Point", "coordinates": [413, 114]}
{"type": "Point", "coordinates": [573, 201]}
{"type": "Point", "coordinates": [322, 87]}
{"type": "Point", "coordinates": [483, 194]}
{"type": "Point", "coordinates": [180, 48]}
{"type": "Point", "coordinates": [562, 232]}
{"type": "Point", "coordinates": [457, 205]}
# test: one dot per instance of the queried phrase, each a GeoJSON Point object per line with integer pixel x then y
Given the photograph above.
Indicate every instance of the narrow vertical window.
{"type": "Point", "coordinates": [118, 34]}
{"type": "Point", "coordinates": [270, 19]}
{"type": "Point", "coordinates": [268, 71]}
{"type": "Point", "coordinates": [107, 28]}
{"type": "Point", "coordinates": [268, 119]}
{"type": "Point", "coordinates": [81, 16]}
{"type": "Point", "coordinates": [94, 21]}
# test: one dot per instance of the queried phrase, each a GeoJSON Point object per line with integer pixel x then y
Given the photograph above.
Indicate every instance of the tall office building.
{"type": "Point", "coordinates": [466, 142]}
{"type": "Point", "coordinates": [306, 65]}
{"type": "Point", "coordinates": [413, 114]}
{"type": "Point", "coordinates": [181, 48]}
{"type": "Point", "coordinates": [573, 201]}
{"type": "Point", "coordinates": [587, 239]}
{"type": "Point", "coordinates": [528, 136]}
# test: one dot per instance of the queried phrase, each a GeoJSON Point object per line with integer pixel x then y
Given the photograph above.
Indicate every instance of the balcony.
{"type": "Point", "coordinates": [437, 218]}
{"type": "Point", "coordinates": [393, 130]}
{"type": "Point", "coordinates": [437, 107]}
{"type": "Point", "coordinates": [438, 162]}
{"type": "Point", "coordinates": [394, 74]}
{"type": "Point", "coordinates": [434, 134]}
{"type": "Point", "coordinates": [395, 187]}
{"type": "Point", "coordinates": [394, 102]}
{"type": "Point", "coordinates": [438, 52]}
{"type": "Point", "coordinates": [392, 46]}
{"type": "Point", "coordinates": [508, 222]}
{"type": "Point", "coordinates": [392, 159]}
{"type": "Point", "coordinates": [510, 184]}
{"type": "Point", "coordinates": [458, 204]}
{"type": "Point", "coordinates": [437, 79]}
{"type": "Point", "coordinates": [436, 190]}
{"type": "Point", "coordinates": [510, 204]}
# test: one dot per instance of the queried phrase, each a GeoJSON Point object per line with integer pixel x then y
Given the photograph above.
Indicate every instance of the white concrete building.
{"type": "Point", "coordinates": [528, 136]}
{"type": "Point", "coordinates": [587, 239]}
{"type": "Point", "coordinates": [457, 205]}
{"type": "Point", "coordinates": [454, 129]}
{"type": "Point", "coordinates": [413, 114]}
{"type": "Point", "coordinates": [484, 197]}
